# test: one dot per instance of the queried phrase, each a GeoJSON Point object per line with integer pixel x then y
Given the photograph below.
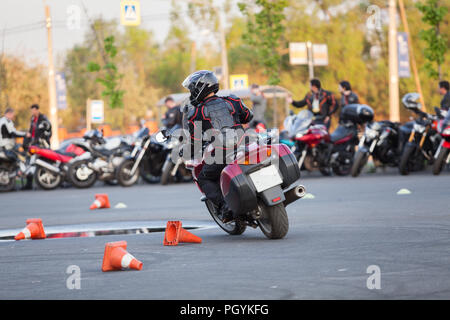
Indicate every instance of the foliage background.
{"type": "Point", "coordinates": [152, 70]}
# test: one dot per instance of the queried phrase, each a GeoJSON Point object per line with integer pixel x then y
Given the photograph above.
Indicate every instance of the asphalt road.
{"type": "Point", "coordinates": [350, 225]}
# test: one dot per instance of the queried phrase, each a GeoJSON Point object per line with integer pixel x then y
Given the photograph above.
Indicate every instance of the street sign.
{"type": "Point", "coordinates": [130, 13]}
{"type": "Point", "coordinates": [97, 111]}
{"type": "Point", "coordinates": [298, 53]}
{"type": "Point", "coordinates": [238, 81]}
{"type": "Point", "coordinates": [61, 90]}
{"type": "Point", "coordinates": [320, 54]}
{"type": "Point", "coordinates": [403, 55]}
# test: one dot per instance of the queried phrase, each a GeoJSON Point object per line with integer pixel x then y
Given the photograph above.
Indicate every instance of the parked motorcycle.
{"type": "Point", "coordinates": [14, 164]}
{"type": "Point", "coordinates": [442, 155]}
{"type": "Point", "coordinates": [146, 160]}
{"type": "Point", "coordinates": [381, 141]}
{"type": "Point", "coordinates": [174, 171]}
{"type": "Point", "coordinates": [423, 140]}
{"type": "Point", "coordinates": [315, 148]}
{"type": "Point", "coordinates": [258, 192]}
{"type": "Point", "coordinates": [52, 165]}
{"type": "Point", "coordinates": [99, 161]}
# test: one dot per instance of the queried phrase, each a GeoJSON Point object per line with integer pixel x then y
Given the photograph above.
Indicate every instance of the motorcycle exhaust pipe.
{"type": "Point", "coordinates": [294, 194]}
{"type": "Point", "coordinates": [47, 165]}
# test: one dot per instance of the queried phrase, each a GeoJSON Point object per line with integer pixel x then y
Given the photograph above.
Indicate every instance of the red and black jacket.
{"type": "Point", "coordinates": [327, 102]}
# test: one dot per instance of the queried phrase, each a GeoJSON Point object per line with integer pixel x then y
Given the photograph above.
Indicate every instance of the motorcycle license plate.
{"type": "Point", "coordinates": [266, 178]}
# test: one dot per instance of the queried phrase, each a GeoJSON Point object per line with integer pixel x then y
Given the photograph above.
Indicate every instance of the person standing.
{"type": "Point", "coordinates": [444, 90]}
{"type": "Point", "coordinates": [40, 128]}
{"type": "Point", "coordinates": [173, 117]}
{"type": "Point", "coordinates": [8, 133]}
{"type": "Point", "coordinates": [320, 102]}
{"type": "Point", "coordinates": [259, 106]}
{"type": "Point", "coordinates": [347, 95]}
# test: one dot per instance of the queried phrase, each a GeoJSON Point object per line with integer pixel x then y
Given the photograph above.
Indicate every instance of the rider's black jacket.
{"type": "Point", "coordinates": [445, 102]}
{"type": "Point", "coordinates": [173, 117]}
{"type": "Point", "coordinates": [219, 113]}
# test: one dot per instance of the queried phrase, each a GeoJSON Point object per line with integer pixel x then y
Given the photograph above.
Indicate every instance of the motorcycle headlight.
{"type": "Point", "coordinates": [418, 128]}
{"type": "Point", "coordinates": [446, 132]}
{"type": "Point", "coordinates": [371, 134]}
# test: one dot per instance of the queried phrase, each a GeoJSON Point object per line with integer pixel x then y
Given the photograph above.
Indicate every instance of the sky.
{"type": "Point", "coordinates": [23, 32]}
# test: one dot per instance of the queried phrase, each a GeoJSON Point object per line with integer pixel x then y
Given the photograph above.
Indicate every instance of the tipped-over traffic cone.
{"type": "Point", "coordinates": [116, 257]}
{"type": "Point", "coordinates": [175, 234]}
{"type": "Point", "coordinates": [33, 230]}
{"type": "Point", "coordinates": [101, 201]}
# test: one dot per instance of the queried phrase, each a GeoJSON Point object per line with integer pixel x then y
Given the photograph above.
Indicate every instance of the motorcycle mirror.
{"type": "Point", "coordinates": [160, 136]}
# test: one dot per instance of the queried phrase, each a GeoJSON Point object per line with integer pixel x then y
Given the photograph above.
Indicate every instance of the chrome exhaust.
{"type": "Point", "coordinates": [294, 194]}
{"type": "Point", "coordinates": [47, 165]}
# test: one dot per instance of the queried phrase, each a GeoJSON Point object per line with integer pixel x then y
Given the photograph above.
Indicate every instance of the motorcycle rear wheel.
{"type": "Point", "coordinates": [46, 179]}
{"type": "Point", "coordinates": [274, 221]}
{"type": "Point", "coordinates": [440, 162]}
{"type": "Point", "coordinates": [234, 228]}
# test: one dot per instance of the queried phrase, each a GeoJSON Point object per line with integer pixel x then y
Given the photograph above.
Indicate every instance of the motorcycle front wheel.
{"type": "Point", "coordinates": [80, 175]}
{"type": "Point", "coordinates": [234, 228]}
{"type": "Point", "coordinates": [6, 182]}
{"type": "Point", "coordinates": [166, 176]}
{"type": "Point", "coordinates": [47, 179]}
{"type": "Point", "coordinates": [274, 221]}
{"type": "Point", "coordinates": [441, 160]}
{"type": "Point", "coordinates": [359, 163]}
{"type": "Point", "coordinates": [124, 176]}
{"type": "Point", "coordinates": [406, 160]}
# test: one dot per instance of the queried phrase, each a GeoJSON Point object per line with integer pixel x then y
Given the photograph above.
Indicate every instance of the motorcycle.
{"type": "Point", "coordinates": [317, 149]}
{"type": "Point", "coordinates": [99, 161]}
{"type": "Point", "coordinates": [422, 143]}
{"type": "Point", "coordinates": [14, 164]}
{"type": "Point", "coordinates": [146, 160]}
{"type": "Point", "coordinates": [381, 141]}
{"type": "Point", "coordinates": [257, 192]}
{"type": "Point", "coordinates": [52, 165]}
{"type": "Point", "coordinates": [442, 155]}
{"type": "Point", "coordinates": [174, 171]}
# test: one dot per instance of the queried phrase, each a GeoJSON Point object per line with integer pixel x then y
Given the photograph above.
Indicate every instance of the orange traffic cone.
{"type": "Point", "coordinates": [116, 257]}
{"type": "Point", "coordinates": [175, 234]}
{"type": "Point", "coordinates": [101, 201]}
{"type": "Point", "coordinates": [33, 230]}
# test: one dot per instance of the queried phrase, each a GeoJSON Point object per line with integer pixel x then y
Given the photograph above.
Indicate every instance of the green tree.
{"type": "Point", "coordinates": [264, 33]}
{"type": "Point", "coordinates": [433, 16]}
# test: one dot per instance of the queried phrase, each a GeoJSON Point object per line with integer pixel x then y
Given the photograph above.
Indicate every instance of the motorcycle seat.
{"type": "Point", "coordinates": [341, 132]}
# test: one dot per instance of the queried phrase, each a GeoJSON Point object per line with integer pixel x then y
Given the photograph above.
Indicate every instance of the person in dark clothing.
{"type": "Point", "coordinates": [173, 117]}
{"type": "Point", "coordinates": [40, 130]}
{"type": "Point", "coordinates": [320, 102]}
{"type": "Point", "coordinates": [444, 90]}
{"type": "Point", "coordinates": [347, 95]}
{"type": "Point", "coordinates": [222, 115]}
{"type": "Point", "coordinates": [259, 106]}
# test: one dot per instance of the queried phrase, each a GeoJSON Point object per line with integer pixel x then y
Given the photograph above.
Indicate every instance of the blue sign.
{"type": "Point", "coordinates": [61, 90]}
{"type": "Point", "coordinates": [403, 55]}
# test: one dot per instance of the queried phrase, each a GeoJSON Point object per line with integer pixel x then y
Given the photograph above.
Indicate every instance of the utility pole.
{"type": "Point", "coordinates": [394, 111]}
{"type": "Point", "coordinates": [223, 51]}
{"type": "Point", "coordinates": [310, 60]}
{"type": "Point", "coordinates": [411, 53]}
{"type": "Point", "coordinates": [51, 82]}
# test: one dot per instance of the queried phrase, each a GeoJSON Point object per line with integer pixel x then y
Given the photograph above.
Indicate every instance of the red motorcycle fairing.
{"type": "Point", "coordinates": [344, 140]}
{"type": "Point", "coordinates": [50, 154]}
{"type": "Point", "coordinates": [315, 135]}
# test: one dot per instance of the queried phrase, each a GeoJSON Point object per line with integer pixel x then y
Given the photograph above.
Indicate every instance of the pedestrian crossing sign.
{"type": "Point", "coordinates": [130, 13]}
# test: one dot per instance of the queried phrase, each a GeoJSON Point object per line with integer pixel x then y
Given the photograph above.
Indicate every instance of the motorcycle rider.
{"type": "Point", "coordinates": [347, 95]}
{"type": "Point", "coordinates": [219, 114]}
{"type": "Point", "coordinates": [319, 101]}
{"type": "Point", "coordinates": [8, 133]}
{"type": "Point", "coordinates": [444, 90]}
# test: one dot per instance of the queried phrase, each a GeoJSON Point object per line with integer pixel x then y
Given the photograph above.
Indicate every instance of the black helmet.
{"type": "Point", "coordinates": [201, 84]}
